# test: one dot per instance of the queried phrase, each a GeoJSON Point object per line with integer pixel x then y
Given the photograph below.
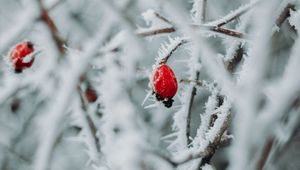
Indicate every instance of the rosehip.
{"type": "Point", "coordinates": [18, 54]}
{"type": "Point", "coordinates": [91, 94]}
{"type": "Point", "coordinates": [164, 84]}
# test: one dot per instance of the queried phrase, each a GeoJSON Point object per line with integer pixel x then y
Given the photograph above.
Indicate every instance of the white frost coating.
{"type": "Point", "coordinates": [232, 14]}
{"type": "Point", "coordinates": [166, 48]}
{"type": "Point", "coordinates": [207, 54]}
{"type": "Point", "coordinates": [23, 22]}
{"type": "Point", "coordinates": [122, 138]}
{"type": "Point", "coordinates": [116, 41]}
{"type": "Point", "coordinates": [51, 72]}
{"type": "Point", "coordinates": [206, 135]}
{"type": "Point", "coordinates": [152, 20]}
{"type": "Point", "coordinates": [180, 117]}
{"type": "Point", "coordinates": [197, 11]}
{"type": "Point", "coordinates": [232, 46]}
{"type": "Point", "coordinates": [295, 19]}
{"type": "Point", "coordinates": [283, 94]}
{"type": "Point", "coordinates": [251, 81]}
{"type": "Point", "coordinates": [204, 122]}
{"type": "Point", "coordinates": [53, 120]}
{"type": "Point", "coordinates": [86, 136]}
{"type": "Point", "coordinates": [207, 167]}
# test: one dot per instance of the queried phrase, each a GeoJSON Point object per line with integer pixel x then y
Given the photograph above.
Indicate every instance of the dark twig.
{"type": "Point", "coordinates": [212, 147]}
{"type": "Point", "coordinates": [269, 143]}
{"type": "Point", "coordinates": [198, 82]}
{"type": "Point", "coordinates": [205, 155]}
{"type": "Point", "coordinates": [189, 113]}
{"type": "Point", "coordinates": [220, 30]}
{"type": "Point", "coordinates": [90, 123]}
{"type": "Point", "coordinates": [265, 154]}
{"type": "Point", "coordinates": [237, 58]}
{"type": "Point", "coordinates": [232, 16]}
{"type": "Point", "coordinates": [162, 18]}
{"type": "Point", "coordinates": [209, 151]}
{"type": "Point", "coordinates": [228, 32]}
{"type": "Point", "coordinates": [166, 58]}
{"type": "Point", "coordinates": [285, 14]}
{"type": "Point", "coordinates": [156, 31]}
{"type": "Point", "coordinates": [45, 17]}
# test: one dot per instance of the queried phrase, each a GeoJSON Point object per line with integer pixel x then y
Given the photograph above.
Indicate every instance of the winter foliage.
{"type": "Point", "coordinates": [88, 101]}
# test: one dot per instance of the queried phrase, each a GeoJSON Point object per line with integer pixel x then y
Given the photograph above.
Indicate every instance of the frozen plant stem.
{"type": "Point", "coordinates": [233, 15]}
{"type": "Point", "coordinates": [52, 27]}
{"type": "Point", "coordinates": [189, 114]}
{"type": "Point", "coordinates": [284, 15]}
{"type": "Point", "coordinates": [213, 29]}
{"type": "Point", "coordinates": [203, 10]}
{"type": "Point", "coordinates": [198, 82]}
{"type": "Point", "coordinates": [162, 18]}
{"type": "Point", "coordinates": [91, 128]}
{"type": "Point", "coordinates": [166, 58]}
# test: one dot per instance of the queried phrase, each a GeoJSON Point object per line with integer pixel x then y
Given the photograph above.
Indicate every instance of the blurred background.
{"type": "Point", "coordinates": [80, 106]}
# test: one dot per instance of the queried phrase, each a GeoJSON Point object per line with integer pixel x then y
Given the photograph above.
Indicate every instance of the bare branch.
{"type": "Point", "coordinates": [233, 15]}
{"type": "Point", "coordinates": [213, 29]}
{"type": "Point", "coordinates": [89, 122]}
{"type": "Point", "coordinates": [189, 113]}
{"type": "Point", "coordinates": [166, 58]}
{"type": "Point", "coordinates": [45, 17]}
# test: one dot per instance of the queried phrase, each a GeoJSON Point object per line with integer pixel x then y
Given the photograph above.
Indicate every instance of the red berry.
{"type": "Point", "coordinates": [164, 83]}
{"type": "Point", "coordinates": [18, 53]}
{"type": "Point", "coordinates": [91, 94]}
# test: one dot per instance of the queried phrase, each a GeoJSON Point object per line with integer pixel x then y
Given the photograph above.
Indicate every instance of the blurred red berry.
{"type": "Point", "coordinates": [18, 53]}
{"type": "Point", "coordinates": [91, 94]}
{"type": "Point", "coordinates": [164, 84]}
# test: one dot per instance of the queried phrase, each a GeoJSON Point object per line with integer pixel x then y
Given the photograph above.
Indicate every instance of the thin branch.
{"type": "Point", "coordinates": [45, 17]}
{"type": "Point", "coordinates": [162, 18]}
{"type": "Point", "coordinates": [228, 32]}
{"type": "Point", "coordinates": [269, 143]}
{"type": "Point", "coordinates": [90, 124]}
{"type": "Point", "coordinates": [265, 154]}
{"type": "Point", "coordinates": [233, 15]}
{"type": "Point", "coordinates": [206, 154]}
{"type": "Point", "coordinates": [285, 14]}
{"type": "Point", "coordinates": [215, 29]}
{"type": "Point", "coordinates": [212, 147]}
{"type": "Point", "coordinates": [189, 114]}
{"type": "Point", "coordinates": [156, 31]}
{"type": "Point", "coordinates": [283, 17]}
{"type": "Point", "coordinates": [237, 58]}
{"type": "Point", "coordinates": [56, 115]}
{"type": "Point", "coordinates": [166, 58]}
{"type": "Point", "coordinates": [204, 8]}
{"type": "Point", "coordinates": [198, 82]}
{"type": "Point", "coordinates": [194, 89]}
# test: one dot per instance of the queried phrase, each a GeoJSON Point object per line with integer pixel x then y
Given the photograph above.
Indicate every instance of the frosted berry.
{"type": "Point", "coordinates": [91, 94]}
{"type": "Point", "coordinates": [164, 84]}
{"type": "Point", "coordinates": [17, 55]}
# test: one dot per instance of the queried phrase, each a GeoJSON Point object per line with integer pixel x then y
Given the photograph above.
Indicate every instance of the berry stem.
{"type": "Point", "coordinates": [166, 58]}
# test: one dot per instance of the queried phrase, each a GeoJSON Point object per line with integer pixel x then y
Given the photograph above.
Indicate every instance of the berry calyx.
{"type": "Point", "coordinates": [18, 55]}
{"type": "Point", "coordinates": [164, 84]}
